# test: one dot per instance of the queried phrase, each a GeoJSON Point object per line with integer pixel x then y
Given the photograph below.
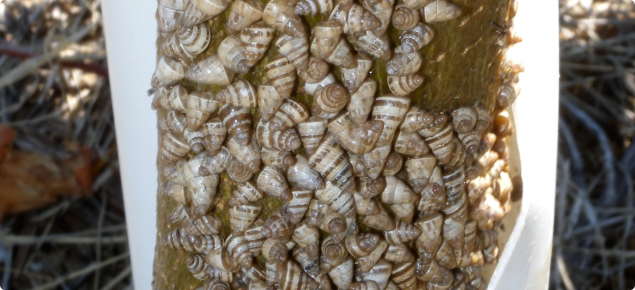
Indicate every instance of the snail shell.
{"type": "Point", "coordinates": [306, 234]}
{"type": "Point", "coordinates": [178, 239]}
{"type": "Point", "coordinates": [354, 78]}
{"type": "Point", "coordinates": [194, 39]}
{"type": "Point", "coordinates": [417, 4]}
{"type": "Point", "coordinates": [172, 47]}
{"type": "Point", "coordinates": [281, 74]}
{"type": "Point", "coordinates": [490, 253]}
{"type": "Point", "coordinates": [274, 251]}
{"type": "Point", "coordinates": [416, 38]}
{"type": "Point", "coordinates": [210, 71]}
{"type": "Point", "coordinates": [326, 36]}
{"type": "Point", "coordinates": [173, 121]}
{"type": "Point", "coordinates": [464, 119]}
{"type": "Point", "coordinates": [313, 7]}
{"type": "Point", "coordinates": [310, 88]}
{"type": "Point", "coordinates": [402, 233]}
{"type": "Point", "coordinates": [245, 193]}
{"type": "Point", "coordinates": [204, 226]}
{"type": "Point", "coordinates": [255, 41]}
{"type": "Point", "coordinates": [173, 147]}
{"type": "Point", "coordinates": [238, 248]}
{"type": "Point", "coordinates": [285, 140]}
{"type": "Point", "coordinates": [486, 211]}
{"type": "Point", "coordinates": [290, 113]}
{"type": "Point", "coordinates": [440, 10]}
{"type": "Point", "coordinates": [317, 70]}
{"type": "Point", "coordinates": [295, 50]}
{"type": "Point", "coordinates": [173, 99]}
{"type": "Point", "coordinates": [230, 53]}
{"type": "Point", "coordinates": [399, 253]}
{"type": "Point", "coordinates": [477, 187]}
{"type": "Point", "coordinates": [180, 215]}
{"type": "Point", "coordinates": [364, 285]}
{"type": "Point", "coordinates": [483, 119]}
{"type": "Point", "coordinates": [311, 132]}
{"type": "Point", "coordinates": [248, 155]}
{"type": "Point", "coordinates": [393, 164]}
{"type": "Point", "coordinates": [303, 176]}
{"type": "Point", "coordinates": [342, 201]}
{"type": "Point", "coordinates": [332, 163]}
{"type": "Point", "coordinates": [221, 277]}
{"type": "Point", "coordinates": [433, 196]}
{"type": "Point", "coordinates": [429, 270]}
{"type": "Point", "coordinates": [454, 179]}
{"type": "Point", "coordinates": [366, 206]}
{"type": "Point", "coordinates": [390, 109]}
{"type": "Point", "coordinates": [342, 275]}
{"type": "Point", "coordinates": [169, 13]}
{"type": "Point", "coordinates": [321, 215]}
{"type": "Point", "coordinates": [329, 100]}
{"type": "Point", "coordinates": [441, 142]}
{"type": "Point", "coordinates": [382, 221]}
{"type": "Point", "coordinates": [362, 244]}
{"type": "Point", "coordinates": [216, 164]}
{"type": "Point", "coordinates": [214, 134]}
{"type": "Point", "coordinates": [268, 101]}
{"type": "Point", "coordinates": [253, 274]}
{"type": "Point", "coordinates": [503, 125]}
{"type": "Point", "coordinates": [379, 273]}
{"type": "Point", "coordinates": [277, 226]}
{"type": "Point", "coordinates": [471, 141]}
{"type": "Point", "coordinates": [293, 278]}
{"type": "Point", "coordinates": [273, 183]}
{"type": "Point", "coordinates": [403, 211]}
{"type": "Point", "coordinates": [342, 55]}
{"type": "Point", "coordinates": [416, 119]}
{"type": "Point", "coordinates": [221, 259]}
{"type": "Point", "coordinates": [243, 13]}
{"type": "Point", "coordinates": [281, 16]}
{"type": "Point", "coordinates": [431, 225]}
{"type": "Point", "coordinates": [299, 203]}
{"type": "Point", "coordinates": [507, 94]}
{"type": "Point", "coordinates": [279, 159]}
{"type": "Point", "coordinates": [238, 171]}
{"type": "Point", "coordinates": [200, 106]}
{"type": "Point", "coordinates": [376, 45]}
{"type": "Point", "coordinates": [403, 64]}
{"type": "Point", "coordinates": [194, 140]}
{"type": "Point", "coordinates": [411, 144]}
{"type": "Point", "coordinates": [383, 10]}
{"type": "Point", "coordinates": [369, 188]}
{"type": "Point", "coordinates": [403, 274]}
{"type": "Point", "coordinates": [404, 85]}
{"type": "Point", "coordinates": [237, 120]}
{"type": "Point", "coordinates": [206, 244]}
{"type": "Point", "coordinates": [397, 192]}
{"type": "Point", "coordinates": [356, 139]}
{"type": "Point", "coordinates": [240, 93]}
{"type": "Point", "coordinates": [373, 161]}
{"type": "Point", "coordinates": [354, 18]}
{"type": "Point", "coordinates": [168, 71]}
{"type": "Point", "coordinates": [470, 236]}
{"type": "Point", "coordinates": [203, 10]}
{"type": "Point", "coordinates": [197, 266]}
{"type": "Point", "coordinates": [332, 250]}
{"type": "Point", "coordinates": [445, 256]}
{"type": "Point", "coordinates": [243, 215]}
{"type": "Point", "coordinates": [272, 273]}
{"type": "Point", "coordinates": [404, 18]}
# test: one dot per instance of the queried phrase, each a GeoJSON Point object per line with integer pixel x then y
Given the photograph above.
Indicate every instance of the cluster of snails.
{"type": "Point", "coordinates": [375, 193]}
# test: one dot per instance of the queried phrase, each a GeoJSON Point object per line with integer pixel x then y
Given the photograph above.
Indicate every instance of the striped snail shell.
{"type": "Point", "coordinates": [399, 253]}
{"type": "Point", "coordinates": [454, 179]}
{"type": "Point", "coordinates": [374, 160]}
{"type": "Point", "coordinates": [454, 227]}
{"type": "Point", "coordinates": [403, 211]}
{"type": "Point", "coordinates": [214, 134]}
{"type": "Point", "coordinates": [274, 251]}
{"type": "Point", "coordinates": [414, 39]}
{"type": "Point", "coordinates": [311, 88]}
{"type": "Point", "coordinates": [404, 85]}
{"type": "Point", "coordinates": [382, 221]}
{"type": "Point", "coordinates": [321, 215]}
{"type": "Point", "coordinates": [446, 147]}
{"type": "Point", "coordinates": [197, 266]}
{"type": "Point", "coordinates": [483, 121]}
{"type": "Point", "coordinates": [195, 140]}
{"type": "Point", "coordinates": [342, 55]}
{"type": "Point", "coordinates": [420, 170]}
{"type": "Point", "coordinates": [219, 275]}
{"type": "Point", "coordinates": [215, 164]}
{"type": "Point", "coordinates": [311, 132]}
{"type": "Point", "coordinates": [243, 13]}
{"type": "Point", "coordinates": [175, 99]}
{"type": "Point", "coordinates": [429, 270]}
{"type": "Point", "coordinates": [202, 188]}
{"type": "Point", "coordinates": [364, 285]}
{"type": "Point", "coordinates": [342, 275]}
{"type": "Point", "coordinates": [168, 71]}
{"type": "Point", "coordinates": [172, 47]}
{"type": "Point", "coordinates": [369, 187]}
{"type": "Point", "coordinates": [490, 253]}
{"type": "Point", "coordinates": [214, 284]}
{"type": "Point", "coordinates": [313, 7]}
{"type": "Point", "coordinates": [393, 164]}
{"type": "Point", "coordinates": [276, 158]}
{"type": "Point", "coordinates": [205, 225]}
{"type": "Point", "coordinates": [404, 275]}
{"type": "Point", "coordinates": [326, 36]}
{"type": "Point", "coordinates": [416, 119]}
{"type": "Point", "coordinates": [431, 225]}
{"type": "Point", "coordinates": [440, 10]}
{"type": "Point", "coordinates": [203, 10]}
{"type": "Point", "coordinates": [180, 215]}
{"type": "Point", "coordinates": [249, 155]}
{"type": "Point", "coordinates": [332, 163]}
{"type": "Point", "coordinates": [240, 93]}
{"type": "Point", "coordinates": [329, 100]}
{"type": "Point", "coordinates": [272, 182]}
{"type": "Point", "coordinates": [268, 101]}
{"type": "Point", "coordinates": [295, 50]}
{"type": "Point", "coordinates": [206, 244]}
{"type": "Point", "coordinates": [356, 139]}
{"type": "Point", "coordinates": [477, 187]}
{"type": "Point", "coordinates": [309, 259]}
{"type": "Point", "coordinates": [292, 277]}
{"type": "Point", "coordinates": [238, 171]}
{"type": "Point", "coordinates": [362, 244]}
{"type": "Point", "coordinates": [317, 70]}
{"type": "Point", "coordinates": [471, 141]}
{"type": "Point", "coordinates": [290, 113]}
{"type": "Point", "coordinates": [222, 260]}
{"type": "Point", "coordinates": [433, 196]}
{"type": "Point", "coordinates": [379, 273]}
{"type": "Point", "coordinates": [411, 144]}
{"type": "Point", "coordinates": [404, 18]}
{"type": "Point", "coordinates": [173, 147]}
{"type": "Point", "coordinates": [354, 18]}
{"type": "Point", "coordinates": [383, 10]}
{"type": "Point", "coordinates": [178, 239]}
{"type": "Point", "coordinates": [238, 247]}
{"type": "Point", "coordinates": [342, 201]}
{"type": "Point", "coordinates": [366, 206]}
{"type": "Point", "coordinates": [280, 15]}
{"type": "Point", "coordinates": [237, 120]}
{"type": "Point", "coordinates": [245, 193]}
{"type": "Point", "coordinates": [285, 140]}
{"type": "Point", "coordinates": [334, 251]}
{"type": "Point", "coordinates": [277, 226]}
{"type": "Point", "coordinates": [354, 78]}
{"type": "Point", "coordinates": [210, 71]}
{"type": "Point", "coordinates": [303, 176]}
{"type": "Point", "coordinates": [486, 211]}
{"type": "Point", "coordinates": [306, 234]}
{"type": "Point", "coordinates": [299, 203]}
{"type": "Point", "coordinates": [464, 119]}
{"type": "Point", "coordinates": [230, 53]}
{"type": "Point", "coordinates": [507, 94]}
{"type": "Point", "coordinates": [376, 45]}
{"type": "Point", "coordinates": [169, 13]}
{"type": "Point", "coordinates": [255, 41]}
{"type": "Point", "coordinates": [272, 273]}
{"type": "Point", "coordinates": [174, 171]}
{"type": "Point", "coordinates": [253, 274]}
{"type": "Point", "coordinates": [281, 74]}
{"type": "Point", "coordinates": [445, 256]}
{"type": "Point", "coordinates": [200, 106]}
{"type": "Point", "coordinates": [173, 121]}
{"type": "Point", "coordinates": [417, 4]}
{"type": "Point", "coordinates": [402, 233]}
{"type": "Point", "coordinates": [194, 39]}
{"type": "Point", "coordinates": [403, 64]}
{"type": "Point", "coordinates": [362, 101]}
{"type": "Point", "coordinates": [390, 109]}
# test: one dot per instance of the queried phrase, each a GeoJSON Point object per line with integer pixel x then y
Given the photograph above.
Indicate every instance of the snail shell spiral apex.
{"type": "Point", "coordinates": [280, 15]}
{"type": "Point", "coordinates": [416, 38]}
{"type": "Point", "coordinates": [255, 41]}
{"type": "Point", "coordinates": [230, 53]}
{"type": "Point", "coordinates": [210, 71]}
{"type": "Point", "coordinates": [168, 71]}
{"type": "Point", "coordinates": [243, 13]}
{"type": "Point", "coordinates": [404, 18]}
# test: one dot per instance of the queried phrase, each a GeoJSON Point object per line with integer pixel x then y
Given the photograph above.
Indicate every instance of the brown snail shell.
{"type": "Point", "coordinates": [483, 121]}
{"type": "Point", "coordinates": [248, 155]}
{"type": "Point", "coordinates": [416, 38]}
{"type": "Point", "coordinates": [295, 50]}
{"type": "Point", "coordinates": [194, 39]}
{"type": "Point", "coordinates": [362, 244]}
{"type": "Point", "coordinates": [332, 163]}
{"type": "Point", "coordinates": [399, 253]}
{"type": "Point", "coordinates": [285, 140]}
{"type": "Point", "coordinates": [274, 251]}
{"type": "Point", "coordinates": [464, 119]}
{"type": "Point", "coordinates": [172, 47]}
{"type": "Point", "coordinates": [238, 171]}
{"type": "Point", "coordinates": [383, 10]}
{"type": "Point", "coordinates": [382, 221]}
{"type": "Point", "coordinates": [374, 160]}
{"type": "Point", "coordinates": [255, 237]}
{"type": "Point", "coordinates": [243, 13]}
{"type": "Point", "coordinates": [341, 201]}
{"type": "Point", "coordinates": [503, 125]}
{"type": "Point", "coordinates": [471, 141]}
{"type": "Point", "coordinates": [245, 193]}
{"type": "Point", "coordinates": [404, 18]}
{"type": "Point", "coordinates": [391, 110]}
{"type": "Point", "coordinates": [356, 139]}
{"type": "Point", "coordinates": [204, 226]}
{"type": "Point", "coordinates": [321, 215]}
{"type": "Point", "coordinates": [303, 176]}
{"type": "Point", "coordinates": [238, 247]}
{"type": "Point", "coordinates": [403, 64]}
{"type": "Point", "coordinates": [366, 206]}
{"type": "Point", "coordinates": [202, 188]}
{"type": "Point", "coordinates": [180, 215]}
{"type": "Point", "coordinates": [173, 99]}
{"type": "Point", "coordinates": [445, 256]}
{"type": "Point", "coordinates": [354, 18]}
{"type": "Point", "coordinates": [216, 164]}
{"type": "Point", "coordinates": [393, 164]}
{"type": "Point", "coordinates": [214, 134]}
{"type": "Point", "coordinates": [230, 53]}
{"type": "Point", "coordinates": [202, 10]}
{"type": "Point", "coordinates": [237, 120]}
{"type": "Point", "coordinates": [354, 78]}
{"type": "Point", "coordinates": [168, 71]}
{"type": "Point", "coordinates": [364, 285]}
{"type": "Point", "coordinates": [298, 205]}
{"type": "Point", "coordinates": [306, 234]}
{"type": "Point", "coordinates": [281, 74]}
{"type": "Point", "coordinates": [420, 170]}
{"type": "Point", "coordinates": [173, 121]}
{"type": "Point", "coordinates": [402, 233]}
{"type": "Point", "coordinates": [272, 182]}
{"type": "Point", "coordinates": [326, 36]}
{"type": "Point", "coordinates": [507, 94]}
{"type": "Point", "coordinates": [255, 41]}
{"type": "Point", "coordinates": [281, 16]}
{"type": "Point", "coordinates": [210, 71]}
{"type": "Point", "coordinates": [379, 273]}
{"type": "Point", "coordinates": [276, 158]}
{"type": "Point", "coordinates": [429, 270]}
{"type": "Point", "coordinates": [277, 226]}
{"type": "Point", "coordinates": [404, 85]}
{"type": "Point", "coordinates": [206, 244]}
{"type": "Point", "coordinates": [309, 259]}
{"type": "Point", "coordinates": [440, 10]}
{"type": "Point", "coordinates": [242, 216]}
{"type": "Point", "coordinates": [311, 132]}
{"type": "Point", "coordinates": [404, 275]}
{"type": "Point", "coordinates": [313, 7]}
{"type": "Point", "coordinates": [342, 275]}
{"type": "Point", "coordinates": [290, 113]}
{"type": "Point", "coordinates": [417, 4]}
{"type": "Point", "coordinates": [221, 259]}
{"type": "Point", "coordinates": [433, 196]}
{"type": "Point", "coordinates": [200, 106]}
{"type": "Point", "coordinates": [431, 225]}
{"type": "Point", "coordinates": [253, 274]}
{"type": "Point", "coordinates": [169, 12]}
{"type": "Point", "coordinates": [317, 70]}
{"type": "Point", "coordinates": [411, 144]}
{"type": "Point", "coordinates": [342, 55]}
{"type": "Point", "coordinates": [240, 93]}
{"type": "Point", "coordinates": [293, 278]}
{"type": "Point", "coordinates": [416, 119]}
{"type": "Point", "coordinates": [329, 100]}
{"type": "Point", "coordinates": [403, 211]}
{"type": "Point", "coordinates": [268, 101]}
{"type": "Point", "coordinates": [195, 140]}
{"type": "Point", "coordinates": [272, 273]}
{"type": "Point", "coordinates": [369, 188]}
{"type": "Point", "coordinates": [332, 250]}
{"type": "Point", "coordinates": [376, 45]}
{"type": "Point", "coordinates": [178, 239]}
{"type": "Point", "coordinates": [174, 147]}
{"type": "Point", "coordinates": [397, 192]}
{"type": "Point", "coordinates": [197, 266]}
